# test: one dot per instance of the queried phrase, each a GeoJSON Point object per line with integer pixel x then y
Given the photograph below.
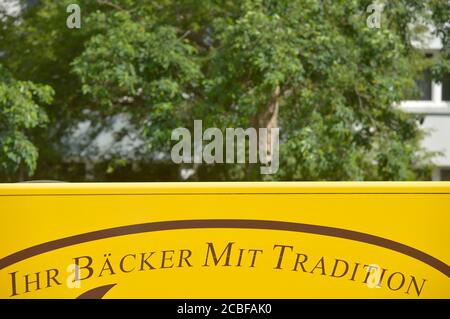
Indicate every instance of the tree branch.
{"type": "Point", "coordinates": [185, 34]}
{"type": "Point", "coordinates": [113, 5]}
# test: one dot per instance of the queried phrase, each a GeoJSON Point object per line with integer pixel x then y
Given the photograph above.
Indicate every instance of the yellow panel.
{"type": "Point", "coordinates": [225, 240]}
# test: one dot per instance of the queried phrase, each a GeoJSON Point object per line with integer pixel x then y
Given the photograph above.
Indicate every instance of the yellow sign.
{"type": "Point", "coordinates": [225, 240]}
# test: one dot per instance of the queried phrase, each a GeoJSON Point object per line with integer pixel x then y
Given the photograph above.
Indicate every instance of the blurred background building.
{"type": "Point", "coordinates": [434, 104]}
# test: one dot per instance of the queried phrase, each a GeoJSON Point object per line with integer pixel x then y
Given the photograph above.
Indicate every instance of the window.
{"type": "Point", "coordinates": [446, 88]}
{"type": "Point", "coordinates": [424, 87]}
{"type": "Point", "coordinates": [445, 174]}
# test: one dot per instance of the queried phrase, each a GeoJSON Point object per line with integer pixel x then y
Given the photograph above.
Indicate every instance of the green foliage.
{"type": "Point", "coordinates": [19, 113]}
{"type": "Point", "coordinates": [312, 67]}
{"type": "Point", "coordinates": [138, 63]}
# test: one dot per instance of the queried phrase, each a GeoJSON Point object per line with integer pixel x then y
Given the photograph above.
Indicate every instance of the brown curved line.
{"type": "Point", "coordinates": [226, 223]}
{"type": "Point", "coordinates": [96, 293]}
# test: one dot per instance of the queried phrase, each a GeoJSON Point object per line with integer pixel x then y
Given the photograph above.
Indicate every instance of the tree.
{"type": "Point", "coordinates": [19, 113]}
{"type": "Point", "coordinates": [313, 68]}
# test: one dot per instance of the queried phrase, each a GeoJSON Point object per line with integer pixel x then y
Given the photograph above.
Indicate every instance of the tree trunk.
{"type": "Point", "coordinates": [269, 119]}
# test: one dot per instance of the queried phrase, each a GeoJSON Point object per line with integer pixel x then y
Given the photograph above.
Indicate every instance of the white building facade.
{"type": "Point", "coordinates": [434, 105]}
